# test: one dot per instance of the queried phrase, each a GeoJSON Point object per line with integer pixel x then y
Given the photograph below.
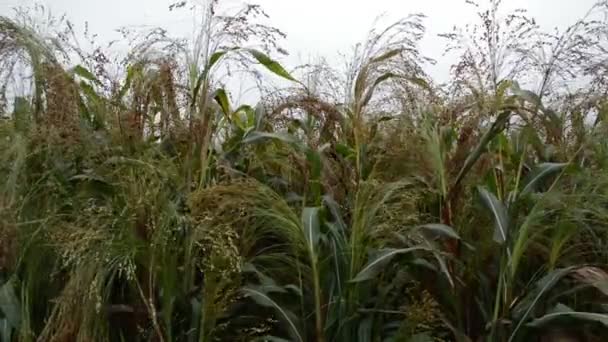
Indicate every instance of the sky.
{"type": "Point", "coordinates": [315, 28]}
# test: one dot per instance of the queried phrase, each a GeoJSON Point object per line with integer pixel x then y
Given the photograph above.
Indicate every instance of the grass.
{"type": "Point", "coordinates": [366, 204]}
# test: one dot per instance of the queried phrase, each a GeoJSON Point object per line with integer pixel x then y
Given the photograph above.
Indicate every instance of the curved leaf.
{"type": "Point", "coordinates": [221, 98]}
{"type": "Point", "coordinates": [256, 137]}
{"type": "Point", "coordinates": [581, 316]}
{"type": "Point", "coordinates": [539, 173]}
{"type": "Point", "coordinates": [311, 223]}
{"type": "Point", "coordinates": [473, 157]}
{"type": "Point", "coordinates": [528, 96]}
{"type": "Point", "coordinates": [270, 64]}
{"type": "Point", "coordinates": [441, 229]}
{"type": "Point", "coordinates": [372, 88]}
{"type": "Point", "coordinates": [85, 73]}
{"type": "Point", "coordinates": [527, 304]}
{"type": "Point", "coordinates": [499, 214]}
{"type": "Point", "coordinates": [9, 305]}
{"type": "Point", "coordinates": [263, 299]}
{"type": "Point", "coordinates": [260, 114]}
{"type": "Point", "coordinates": [387, 55]}
{"type": "Point", "coordinates": [377, 263]}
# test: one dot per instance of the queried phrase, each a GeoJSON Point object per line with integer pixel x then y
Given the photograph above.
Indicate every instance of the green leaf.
{"type": "Point", "coordinates": [256, 137]}
{"type": "Point", "coordinates": [244, 117]}
{"type": "Point", "coordinates": [132, 70]}
{"type": "Point", "coordinates": [270, 64]}
{"type": "Point", "coordinates": [385, 56]}
{"type": "Point", "coordinates": [86, 74]}
{"type": "Point", "coordinates": [222, 100]}
{"type": "Point", "coordinates": [314, 162]}
{"type": "Point", "coordinates": [499, 214]}
{"type": "Point", "coordinates": [473, 157]}
{"type": "Point", "coordinates": [539, 173]}
{"type": "Point", "coordinates": [528, 96]}
{"type": "Point", "coordinates": [334, 209]}
{"type": "Point", "coordinates": [344, 150]}
{"type": "Point", "coordinates": [441, 229]}
{"type": "Point", "coordinates": [88, 90]}
{"type": "Point", "coordinates": [372, 88]}
{"type": "Point", "coordinates": [523, 309]}
{"type": "Point", "coordinates": [263, 299]}
{"type": "Point", "coordinates": [9, 304]}
{"type": "Point", "coordinates": [421, 82]}
{"type": "Point", "coordinates": [376, 264]}
{"type": "Point", "coordinates": [215, 57]}
{"type": "Point", "coordinates": [573, 315]}
{"type": "Point", "coordinates": [260, 114]}
{"type": "Point", "coordinates": [311, 225]}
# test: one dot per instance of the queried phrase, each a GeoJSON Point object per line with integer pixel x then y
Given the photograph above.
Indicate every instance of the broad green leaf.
{"type": "Point", "coordinates": [270, 64]}
{"type": "Point", "coordinates": [377, 263]}
{"type": "Point", "coordinates": [311, 226]}
{"type": "Point", "coordinates": [88, 90]}
{"type": "Point", "coordinates": [9, 304]}
{"type": "Point", "coordinates": [497, 127]}
{"type": "Point", "coordinates": [245, 116]}
{"type": "Point", "coordinates": [441, 229]}
{"type": "Point", "coordinates": [385, 56]}
{"type": "Point", "coordinates": [334, 209]}
{"type": "Point", "coordinates": [260, 114]}
{"type": "Point", "coordinates": [215, 57]}
{"type": "Point", "coordinates": [372, 88]}
{"type": "Point", "coordinates": [263, 299]}
{"type": "Point", "coordinates": [421, 82]}
{"type": "Point", "coordinates": [315, 165]}
{"type": "Point", "coordinates": [256, 137]}
{"type": "Point", "coordinates": [85, 73]}
{"type": "Point", "coordinates": [222, 100]}
{"type": "Point", "coordinates": [344, 150]}
{"type": "Point", "coordinates": [572, 315]}
{"type": "Point", "coordinates": [527, 96]}
{"type": "Point", "coordinates": [539, 173]}
{"type": "Point", "coordinates": [132, 71]}
{"type": "Point", "coordinates": [265, 281]}
{"type": "Point", "coordinates": [498, 212]}
{"type": "Point", "coordinates": [523, 309]}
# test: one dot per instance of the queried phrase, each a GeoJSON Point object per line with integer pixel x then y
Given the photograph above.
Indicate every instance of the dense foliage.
{"type": "Point", "coordinates": [366, 204]}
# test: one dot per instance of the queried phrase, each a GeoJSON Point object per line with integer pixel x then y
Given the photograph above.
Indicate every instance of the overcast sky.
{"type": "Point", "coordinates": [314, 27]}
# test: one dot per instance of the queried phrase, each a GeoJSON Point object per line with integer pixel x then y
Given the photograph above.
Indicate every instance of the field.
{"type": "Point", "coordinates": [140, 202]}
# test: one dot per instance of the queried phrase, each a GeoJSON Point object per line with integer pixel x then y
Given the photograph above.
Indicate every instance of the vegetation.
{"type": "Point", "coordinates": [366, 204]}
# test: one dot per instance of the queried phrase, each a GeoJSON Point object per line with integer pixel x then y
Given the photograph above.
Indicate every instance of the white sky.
{"type": "Point", "coordinates": [314, 27]}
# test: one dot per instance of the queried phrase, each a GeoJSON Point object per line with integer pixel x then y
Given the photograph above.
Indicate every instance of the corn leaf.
{"type": "Point", "coordinates": [270, 64]}
{"type": "Point", "coordinates": [263, 299]}
{"type": "Point", "coordinates": [377, 263]}
{"type": "Point", "coordinates": [540, 172]}
{"type": "Point", "coordinates": [441, 230]}
{"type": "Point", "coordinates": [498, 212]}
